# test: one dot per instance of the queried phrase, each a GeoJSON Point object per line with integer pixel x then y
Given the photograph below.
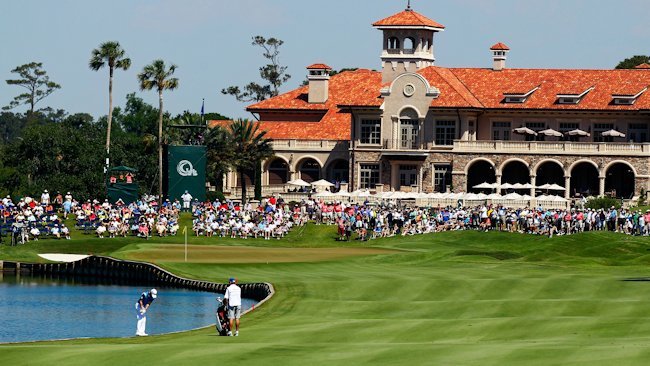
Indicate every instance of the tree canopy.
{"type": "Point", "coordinates": [273, 74]}
{"type": "Point", "coordinates": [33, 78]}
{"type": "Point", "coordinates": [632, 62]}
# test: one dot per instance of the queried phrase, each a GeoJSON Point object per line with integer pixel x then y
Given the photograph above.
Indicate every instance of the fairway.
{"type": "Point", "coordinates": [241, 254]}
{"type": "Point", "coordinates": [456, 298]}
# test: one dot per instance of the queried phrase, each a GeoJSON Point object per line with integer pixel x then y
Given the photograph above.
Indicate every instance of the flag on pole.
{"type": "Point", "coordinates": [184, 229]}
{"type": "Point", "coordinates": [203, 108]}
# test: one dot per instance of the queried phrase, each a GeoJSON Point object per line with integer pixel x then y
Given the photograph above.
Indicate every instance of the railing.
{"type": "Point", "coordinates": [553, 147]}
{"type": "Point", "coordinates": [309, 144]}
{"type": "Point", "coordinates": [401, 144]}
{"type": "Point", "coordinates": [401, 51]}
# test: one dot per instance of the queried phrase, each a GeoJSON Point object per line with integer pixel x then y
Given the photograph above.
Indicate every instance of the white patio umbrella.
{"type": "Point", "coordinates": [613, 133]}
{"type": "Point", "coordinates": [494, 196]}
{"type": "Point", "coordinates": [518, 186]}
{"type": "Point", "coordinates": [322, 183]}
{"type": "Point", "coordinates": [324, 194]}
{"type": "Point", "coordinates": [555, 187]}
{"type": "Point", "coordinates": [550, 132]}
{"type": "Point", "coordinates": [480, 196]}
{"type": "Point", "coordinates": [544, 186]}
{"type": "Point", "coordinates": [485, 185]}
{"type": "Point", "coordinates": [526, 186]}
{"type": "Point", "coordinates": [341, 194]}
{"type": "Point", "coordinates": [512, 196]}
{"type": "Point", "coordinates": [578, 132]}
{"type": "Point", "coordinates": [299, 183]}
{"type": "Point", "coordinates": [506, 186]}
{"type": "Point", "coordinates": [524, 131]}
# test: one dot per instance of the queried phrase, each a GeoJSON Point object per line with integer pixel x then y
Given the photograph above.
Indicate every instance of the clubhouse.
{"type": "Point", "coordinates": [417, 127]}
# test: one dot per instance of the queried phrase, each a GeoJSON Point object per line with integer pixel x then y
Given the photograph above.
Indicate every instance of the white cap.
{"type": "Point", "coordinates": [154, 293]}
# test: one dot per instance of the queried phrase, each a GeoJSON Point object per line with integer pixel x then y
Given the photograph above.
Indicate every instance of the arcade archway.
{"type": "Point", "coordinates": [478, 172]}
{"type": "Point", "coordinates": [619, 181]}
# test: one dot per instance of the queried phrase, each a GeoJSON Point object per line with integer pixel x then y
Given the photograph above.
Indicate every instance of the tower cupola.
{"type": "Point", "coordinates": [407, 43]}
{"type": "Point", "coordinates": [499, 53]}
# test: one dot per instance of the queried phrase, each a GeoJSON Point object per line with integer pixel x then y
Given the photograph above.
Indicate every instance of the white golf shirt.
{"type": "Point", "coordinates": [233, 294]}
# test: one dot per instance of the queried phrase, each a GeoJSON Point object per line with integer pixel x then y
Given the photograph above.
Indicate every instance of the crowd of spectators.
{"type": "Point", "coordinates": [370, 221]}
{"type": "Point", "coordinates": [272, 218]}
{"type": "Point", "coordinates": [29, 219]}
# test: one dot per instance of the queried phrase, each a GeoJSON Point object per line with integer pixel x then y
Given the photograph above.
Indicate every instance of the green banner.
{"type": "Point", "coordinates": [186, 172]}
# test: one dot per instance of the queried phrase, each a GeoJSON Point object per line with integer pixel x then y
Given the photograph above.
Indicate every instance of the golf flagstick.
{"type": "Point", "coordinates": [185, 232]}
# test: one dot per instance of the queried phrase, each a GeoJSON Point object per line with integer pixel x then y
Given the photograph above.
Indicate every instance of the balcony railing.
{"type": "Point", "coordinates": [401, 51]}
{"type": "Point", "coordinates": [309, 144]}
{"type": "Point", "coordinates": [401, 144]}
{"type": "Point", "coordinates": [553, 147]}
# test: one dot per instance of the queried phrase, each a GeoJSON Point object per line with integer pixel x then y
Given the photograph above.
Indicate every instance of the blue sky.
{"type": "Point", "coordinates": [210, 40]}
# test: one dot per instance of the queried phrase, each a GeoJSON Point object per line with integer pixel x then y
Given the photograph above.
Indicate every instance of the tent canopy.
{"type": "Point", "coordinates": [123, 168]}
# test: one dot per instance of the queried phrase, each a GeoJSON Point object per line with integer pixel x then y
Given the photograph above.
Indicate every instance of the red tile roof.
{"type": "Point", "coordinates": [407, 18]}
{"type": "Point", "coordinates": [350, 88]}
{"type": "Point", "coordinates": [459, 88]}
{"type": "Point", "coordinates": [500, 47]}
{"type": "Point", "coordinates": [642, 66]}
{"type": "Point", "coordinates": [488, 87]}
{"type": "Point", "coordinates": [318, 66]}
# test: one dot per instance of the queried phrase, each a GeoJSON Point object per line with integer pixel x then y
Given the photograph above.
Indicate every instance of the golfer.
{"type": "Point", "coordinates": [233, 295]}
{"type": "Point", "coordinates": [141, 308]}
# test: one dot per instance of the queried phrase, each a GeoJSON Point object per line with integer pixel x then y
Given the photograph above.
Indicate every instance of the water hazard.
{"type": "Point", "coordinates": [35, 308]}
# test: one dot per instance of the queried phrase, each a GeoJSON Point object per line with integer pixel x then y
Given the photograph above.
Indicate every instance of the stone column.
{"type": "Point", "coordinates": [421, 134]}
{"type": "Point", "coordinates": [420, 177]}
{"type": "Point", "coordinates": [498, 191]}
{"type": "Point", "coordinates": [394, 176]}
{"type": "Point", "coordinates": [533, 182]}
{"type": "Point", "coordinates": [601, 186]}
{"type": "Point", "coordinates": [567, 186]}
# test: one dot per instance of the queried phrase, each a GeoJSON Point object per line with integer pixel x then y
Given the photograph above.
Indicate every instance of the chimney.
{"type": "Point", "coordinates": [499, 52]}
{"type": "Point", "coordinates": [319, 82]}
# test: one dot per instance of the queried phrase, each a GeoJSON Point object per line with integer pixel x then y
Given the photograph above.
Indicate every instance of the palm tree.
{"type": "Point", "coordinates": [219, 154]}
{"type": "Point", "coordinates": [111, 54]}
{"type": "Point", "coordinates": [158, 76]}
{"type": "Point", "coordinates": [249, 147]}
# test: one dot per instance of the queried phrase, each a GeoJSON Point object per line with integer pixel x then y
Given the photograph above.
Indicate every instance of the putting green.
{"type": "Point", "coordinates": [458, 298]}
{"type": "Point", "coordinates": [242, 254]}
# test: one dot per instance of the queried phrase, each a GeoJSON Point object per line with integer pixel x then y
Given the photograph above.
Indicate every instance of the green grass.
{"type": "Point", "coordinates": [458, 298]}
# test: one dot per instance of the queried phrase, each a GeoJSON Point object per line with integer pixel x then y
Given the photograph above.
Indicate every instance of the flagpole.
{"type": "Point", "coordinates": [203, 112]}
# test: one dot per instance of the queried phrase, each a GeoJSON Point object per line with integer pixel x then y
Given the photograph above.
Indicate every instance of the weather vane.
{"type": "Point", "coordinates": [408, 4]}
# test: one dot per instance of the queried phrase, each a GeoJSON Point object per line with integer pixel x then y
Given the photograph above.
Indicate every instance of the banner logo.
{"type": "Point", "coordinates": [186, 169]}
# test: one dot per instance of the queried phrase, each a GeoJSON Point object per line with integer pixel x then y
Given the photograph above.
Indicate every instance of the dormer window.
{"type": "Point", "coordinates": [568, 100]}
{"type": "Point", "coordinates": [572, 98]}
{"type": "Point", "coordinates": [627, 99]}
{"type": "Point", "coordinates": [624, 101]}
{"type": "Point", "coordinates": [518, 97]}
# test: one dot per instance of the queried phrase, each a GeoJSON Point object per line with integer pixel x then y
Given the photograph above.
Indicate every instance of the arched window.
{"type": "Point", "coordinates": [278, 172]}
{"type": "Point", "coordinates": [393, 43]}
{"type": "Point", "coordinates": [409, 129]}
{"type": "Point", "coordinates": [409, 44]}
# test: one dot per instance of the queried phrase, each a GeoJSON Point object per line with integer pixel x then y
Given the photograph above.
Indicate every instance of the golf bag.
{"type": "Point", "coordinates": [223, 324]}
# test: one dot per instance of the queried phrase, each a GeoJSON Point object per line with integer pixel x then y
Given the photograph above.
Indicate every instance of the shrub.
{"type": "Point", "coordinates": [642, 197]}
{"type": "Point", "coordinates": [603, 202]}
{"type": "Point", "coordinates": [215, 195]}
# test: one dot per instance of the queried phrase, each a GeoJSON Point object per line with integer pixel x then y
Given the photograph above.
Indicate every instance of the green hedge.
{"type": "Point", "coordinates": [603, 202]}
